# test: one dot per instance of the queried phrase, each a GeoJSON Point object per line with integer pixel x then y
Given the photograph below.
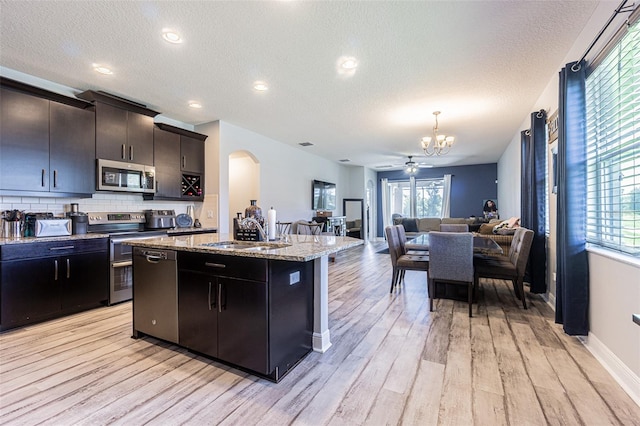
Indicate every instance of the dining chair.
{"type": "Point", "coordinates": [454, 227]}
{"type": "Point", "coordinates": [451, 261]}
{"type": "Point", "coordinates": [309, 228]}
{"type": "Point", "coordinates": [402, 237]}
{"type": "Point", "coordinates": [402, 262]}
{"type": "Point", "coordinates": [283, 228]}
{"type": "Point", "coordinates": [510, 267]}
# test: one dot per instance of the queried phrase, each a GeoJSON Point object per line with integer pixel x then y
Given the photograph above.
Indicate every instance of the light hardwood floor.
{"type": "Point", "coordinates": [392, 362]}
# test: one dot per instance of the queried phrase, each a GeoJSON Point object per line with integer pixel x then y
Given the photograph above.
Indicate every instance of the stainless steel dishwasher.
{"type": "Point", "coordinates": [155, 293]}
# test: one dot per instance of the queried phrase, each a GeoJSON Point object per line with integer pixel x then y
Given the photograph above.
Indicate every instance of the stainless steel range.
{"type": "Point", "coordinates": [121, 226]}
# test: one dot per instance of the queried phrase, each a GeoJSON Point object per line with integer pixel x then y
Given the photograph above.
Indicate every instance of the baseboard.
{"type": "Point", "coordinates": [551, 301]}
{"type": "Point", "coordinates": [618, 370]}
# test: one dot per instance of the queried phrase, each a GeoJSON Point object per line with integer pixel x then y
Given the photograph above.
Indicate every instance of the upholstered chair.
{"type": "Point", "coordinates": [454, 227]}
{"type": "Point", "coordinates": [451, 261]}
{"type": "Point", "coordinates": [402, 262]}
{"type": "Point", "coordinates": [508, 268]}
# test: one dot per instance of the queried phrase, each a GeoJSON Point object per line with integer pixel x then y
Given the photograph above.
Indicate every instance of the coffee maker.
{"type": "Point", "coordinates": [79, 220]}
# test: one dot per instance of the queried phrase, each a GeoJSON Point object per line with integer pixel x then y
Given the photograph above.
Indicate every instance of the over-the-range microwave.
{"type": "Point", "coordinates": [125, 177]}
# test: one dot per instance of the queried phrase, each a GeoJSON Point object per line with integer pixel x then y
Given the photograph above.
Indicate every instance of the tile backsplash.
{"type": "Point", "coordinates": [102, 202]}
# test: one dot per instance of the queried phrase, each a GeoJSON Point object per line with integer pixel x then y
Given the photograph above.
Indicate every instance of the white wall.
{"type": "Point", "coordinates": [614, 282]}
{"type": "Point", "coordinates": [286, 172]}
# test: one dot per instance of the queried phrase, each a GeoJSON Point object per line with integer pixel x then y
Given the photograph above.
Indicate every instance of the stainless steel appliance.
{"type": "Point", "coordinates": [156, 293]}
{"type": "Point", "coordinates": [160, 219]}
{"type": "Point", "coordinates": [126, 177]}
{"type": "Point", "coordinates": [121, 227]}
{"type": "Point", "coordinates": [53, 227]}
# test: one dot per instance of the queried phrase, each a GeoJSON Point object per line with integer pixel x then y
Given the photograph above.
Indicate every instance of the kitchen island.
{"type": "Point", "coordinates": [260, 306]}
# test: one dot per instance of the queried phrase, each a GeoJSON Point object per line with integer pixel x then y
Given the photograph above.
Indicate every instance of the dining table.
{"type": "Point", "coordinates": [481, 245]}
{"type": "Point", "coordinates": [443, 290]}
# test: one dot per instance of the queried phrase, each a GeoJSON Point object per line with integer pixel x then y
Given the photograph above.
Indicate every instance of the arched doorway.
{"type": "Point", "coordinates": [244, 182]}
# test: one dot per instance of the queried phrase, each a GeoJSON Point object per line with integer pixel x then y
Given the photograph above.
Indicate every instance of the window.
{"type": "Point", "coordinates": [613, 147]}
{"type": "Point", "coordinates": [427, 201]}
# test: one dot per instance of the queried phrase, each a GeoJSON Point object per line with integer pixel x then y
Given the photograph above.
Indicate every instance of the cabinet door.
{"type": "Point", "coordinates": [191, 154]}
{"type": "Point", "coordinates": [84, 280]}
{"type": "Point", "coordinates": [29, 291]}
{"type": "Point", "coordinates": [242, 323]}
{"type": "Point", "coordinates": [198, 312]}
{"type": "Point", "coordinates": [72, 149]}
{"type": "Point", "coordinates": [166, 154]}
{"type": "Point", "coordinates": [111, 132]}
{"type": "Point", "coordinates": [24, 142]}
{"type": "Point", "coordinates": [139, 138]}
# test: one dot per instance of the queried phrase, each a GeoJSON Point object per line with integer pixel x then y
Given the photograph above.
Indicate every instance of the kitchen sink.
{"type": "Point", "coordinates": [246, 245]}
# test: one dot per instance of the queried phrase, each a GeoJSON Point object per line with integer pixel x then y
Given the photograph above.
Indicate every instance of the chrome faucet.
{"type": "Point", "coordinates": [246, 220]}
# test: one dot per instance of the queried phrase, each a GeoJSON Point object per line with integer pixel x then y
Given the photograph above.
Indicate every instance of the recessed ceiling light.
{"type": "Point", "coordinates": [260, 86]}
{"type": "Point", "coordinates": [344, 160]}
{"type": "Point", "coordinates": [102, 69]}
{"type": "Point", "coordinates": [171, 36]}
{"type": "Point", "coordinates": [349, 63]}
{"type": "Point", "coordinates": [196, 105]}
{"type": "Point", "coordinates": [305, 144]}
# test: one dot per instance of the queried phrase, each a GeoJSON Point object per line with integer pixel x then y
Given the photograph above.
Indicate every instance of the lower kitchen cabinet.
{"type": "Point", "coordinates": [255, 314]}
{"type": "Point", "coordinates": [40, 281]}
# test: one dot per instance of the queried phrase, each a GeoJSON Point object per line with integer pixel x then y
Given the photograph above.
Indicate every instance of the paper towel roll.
{"type": "Point", "coordinates": [271, 223]}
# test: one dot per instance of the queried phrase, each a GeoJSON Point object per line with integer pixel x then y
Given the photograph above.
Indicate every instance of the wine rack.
{"type": "Point", "coordinates": [191, 186]}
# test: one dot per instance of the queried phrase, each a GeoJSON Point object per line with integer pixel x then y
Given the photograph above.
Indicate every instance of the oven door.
{"type": "Point", "coordinates": [121, 273]}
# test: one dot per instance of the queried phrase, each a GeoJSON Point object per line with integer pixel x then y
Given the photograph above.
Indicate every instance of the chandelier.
{"type": "Point", "coordinates": [437, 144]}
{"type": "Point", "coordinates": [411, 166]}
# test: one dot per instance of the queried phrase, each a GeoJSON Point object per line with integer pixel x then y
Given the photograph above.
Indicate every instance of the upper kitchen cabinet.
{"type": "Point", "coordinates": [179, 160]}
{"type": "Point", "coordinates": [47, 142]}
{"type": "Point", "coordinates": [124, 129]}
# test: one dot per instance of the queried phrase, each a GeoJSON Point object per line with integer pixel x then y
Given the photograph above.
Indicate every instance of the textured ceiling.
{"type": "Point", "coordinates": [482, 63]}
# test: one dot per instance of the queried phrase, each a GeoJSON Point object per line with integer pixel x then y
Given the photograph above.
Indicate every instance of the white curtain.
{"type": "Point", "coordinates": [446, 197]}
{"type": "Point", "coordinates": [386, 213]}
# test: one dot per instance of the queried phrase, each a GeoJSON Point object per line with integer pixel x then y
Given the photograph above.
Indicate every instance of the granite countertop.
{"type": "Point", "coordinates": [29, 240]}
{"type": "Point", "coordinates": [297, 248]}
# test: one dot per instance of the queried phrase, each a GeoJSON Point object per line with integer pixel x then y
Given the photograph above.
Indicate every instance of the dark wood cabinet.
{"type": "Point", "coordinates": [198, 312]}
{"type": "Point", "coordinates": [123, 135]}
{"type": "Point", "coordinates": [24, 142]}
{"type": "Point", "coordinates": [72, 149]}
{"type": "Point", "coordinates": [44, 280]}
{"type": "Point", "coordinates": [224, 316]}
{"type": "Point", "coordinates": [166, 153]}
{"type": "Point", "coordinates": [46, 146]}
{"type": "Point", "coordinates": [191, 154]}
{"type": "Point", "coordinates": [253, 313]}
{"type": "Point", "coordinates": [179, 157]}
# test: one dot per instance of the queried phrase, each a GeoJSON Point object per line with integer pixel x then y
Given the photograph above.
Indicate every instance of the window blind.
{"type": "Point", "coordinates": [613, 147]}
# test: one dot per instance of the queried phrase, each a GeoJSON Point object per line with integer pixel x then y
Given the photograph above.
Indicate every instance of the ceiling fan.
{"type": "Point", "coordinates": [407, 164]}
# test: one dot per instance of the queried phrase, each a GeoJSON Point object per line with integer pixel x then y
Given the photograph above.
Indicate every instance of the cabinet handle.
{"type": "Point", "coordinates": [210, 300]}
{"type": "Point", "coordinates": [42, 177]}
{"type": "Point", "coordinates": [215, 265]}
{"type": "Point", "coordinates": [68, 268]}
{"type": "Point", "coordinates": [55, 178]}
{"type": "Point", "coordinates": [220, 297]}
{"type": "Point", "coordinates": [121, 264]}
{"type": "Point", "coordinates": [184, 161]}
{"type": "Point", "coordinates": [55, 270]}
{"type": "Point", "coordinates": [123, 152]}
{"type": "Point", "coordinates": [131, 153]}
{"type": "Point", "coordinates": [61, 248]}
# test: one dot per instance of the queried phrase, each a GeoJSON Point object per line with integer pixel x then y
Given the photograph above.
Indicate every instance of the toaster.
{"type": "Point", "coordinates": [52, 227]}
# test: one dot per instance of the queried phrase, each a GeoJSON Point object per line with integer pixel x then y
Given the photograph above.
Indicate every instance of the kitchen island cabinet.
{"type": "Point", "coordinates": [258, 306]}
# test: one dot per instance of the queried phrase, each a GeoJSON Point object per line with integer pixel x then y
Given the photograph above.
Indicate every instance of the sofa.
{"type": "Point", "coordinates": [353, 228]}
{"type": "Point", "coordinates": [414, 226]}
{"type": "Point", "coordinates": [417, 226]}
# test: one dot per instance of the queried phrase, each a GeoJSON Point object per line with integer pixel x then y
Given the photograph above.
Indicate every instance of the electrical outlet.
{"type": "Point", "coordinates": [294, 278]}
{"type": "Point", "coordinates": [553, 277]}
{"type": "Point", "coordinates": [209, 214]}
